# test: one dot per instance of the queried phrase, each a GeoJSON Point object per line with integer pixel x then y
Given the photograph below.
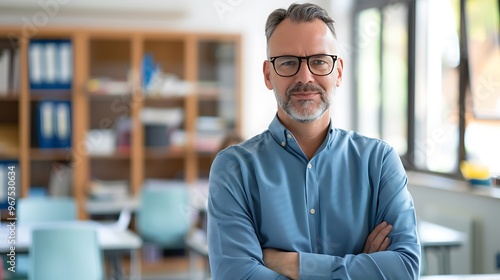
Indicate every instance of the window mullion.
{"type": "Point", "coordinates": [464, 83]}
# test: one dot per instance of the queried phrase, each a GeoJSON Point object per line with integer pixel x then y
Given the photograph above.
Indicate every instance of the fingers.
{"type": "Point", "coordinates": [378, 239]}
{"type": "Point", "coordinates": [373, 235]}
{"type": "Point", "coordinates": [385, 244]}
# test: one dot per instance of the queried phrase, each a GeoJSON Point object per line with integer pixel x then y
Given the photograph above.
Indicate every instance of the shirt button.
{"type": "Point", "coordinates": [312, 211]}
{"type": "Point", "coordinates": [309, 166]}
{"type": "Point", "coordinates": [283, 143]}
{"type": "Point", "coordinates": [289, 136]}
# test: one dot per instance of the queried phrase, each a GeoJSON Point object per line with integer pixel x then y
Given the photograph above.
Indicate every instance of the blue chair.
{"type": "Point", "coordinates": [65, 253]}
{"type": "Point", "coordinates": [37, 210]}
{"type": "Point", "coordinates": [162, 217]}
{"type": "Point", "coordinates": [46, 209]}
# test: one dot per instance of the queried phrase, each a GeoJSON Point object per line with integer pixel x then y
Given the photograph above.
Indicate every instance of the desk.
{"type": "Point", "coordinates": [103, 207]}
{"type": "Point", "coordinates": [111, 240]}
{"type": "Point", "coordinates": [441, 239]}
{"type": "Point", "coordinates": [196, 242]}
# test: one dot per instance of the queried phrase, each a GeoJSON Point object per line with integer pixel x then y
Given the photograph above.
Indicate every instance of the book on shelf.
{"type": "Point", "coordinates": [9, 71]}
{"type": "Point", "coordinates": [101, 142]}
{"type": "Point", "coordinates": [123, 135]}
{"type": "Point", "coordinates": [52, 124]}
{"type": "Point", "coordinates": [9, 177]}
{"type": "Point", "coordinates": [107, 86]}
{"type": "Point", "coordinates": [50, 63]}
{"type": "Point", "coordinates": [109, 190]}
{"type": "Point", "coordinates": [4, 71]}
{"type": "Point", "coordinates": [61, 180]}
{"type": "Point", "coordinates": [156, 82]}
{"type": "Point", "coordinates": [159, 125]}
{"type": "Point", "coordinates": [210, 132]}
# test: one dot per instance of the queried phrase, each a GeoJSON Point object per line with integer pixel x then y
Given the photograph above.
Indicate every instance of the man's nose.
{"type": "Point", "coordinates": [304, 75]}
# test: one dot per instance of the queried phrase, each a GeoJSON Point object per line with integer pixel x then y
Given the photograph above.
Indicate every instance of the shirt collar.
{"type": "Point", "coordinates": [285, 138]}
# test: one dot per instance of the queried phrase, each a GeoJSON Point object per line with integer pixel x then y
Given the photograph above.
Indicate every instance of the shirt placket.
{"type": "Point", "coordinates": [312, 203]}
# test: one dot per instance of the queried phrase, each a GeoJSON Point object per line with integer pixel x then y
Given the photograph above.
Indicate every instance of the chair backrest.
{"type": "Point", "coordinates": [65, 253]}
{"type": "Point", "coordinates": [46, 209]}
{"type": "Point", "coordinates": [163, 217]}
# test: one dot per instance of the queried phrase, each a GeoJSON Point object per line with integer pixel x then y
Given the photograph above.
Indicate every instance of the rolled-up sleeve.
{"type": "Point", "coordinates": [234, 249]}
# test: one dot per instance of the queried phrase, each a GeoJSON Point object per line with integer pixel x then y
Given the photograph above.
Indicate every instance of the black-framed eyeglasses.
{"type": "Point", "coordinates": [289, 65]}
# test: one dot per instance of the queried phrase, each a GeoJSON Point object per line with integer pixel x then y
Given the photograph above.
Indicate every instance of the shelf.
{"type": "Point", "coordinates": [169, 54]}
{"type": "Point", "coordinates": [164, 101]}
{"type": "Point", "coordinates": [109, 58]}
{"type": "Point", "coordinates": [51, 154]}
{"type": "Point", "coordinates": [9, 110]}
{"type": "Point", "coordinates": [50, 94]}
{"type": "Point", "coordinates": [9, 157]}
{"type": "Point", "coordinates": [206, 67]}
{"type": "Point", "coordinates": [9, 96]}
{"type": "Point", "coordinates": [114, 156]}
{"type": "Point", "coordinates": [212, 93]}
{"type": "Point", "coordinates": [165, 153]}
{"type": "Point", "coordinates": [108, 97]}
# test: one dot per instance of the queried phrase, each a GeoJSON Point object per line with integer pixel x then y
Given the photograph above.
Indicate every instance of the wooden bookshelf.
{"type": "Point", "coordinates": [197, 58]}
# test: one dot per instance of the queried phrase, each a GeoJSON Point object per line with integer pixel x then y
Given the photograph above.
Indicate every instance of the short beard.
{"type": "Point", "coordinates": [304, 114]}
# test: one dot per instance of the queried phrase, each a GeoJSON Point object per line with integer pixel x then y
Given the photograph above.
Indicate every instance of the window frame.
{"type": "Point", "coordinates": [464, 83]}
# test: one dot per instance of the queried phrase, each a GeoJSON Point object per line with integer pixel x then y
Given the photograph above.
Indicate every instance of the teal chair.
{"type": "Point", "coordinates": [65, 253]}
{"type": "Point", "coordinates": [46, 209]}
{"type": "Point", "coordinates": [162, 217]}
{"type": "Point", "coordinates": [39, 210]}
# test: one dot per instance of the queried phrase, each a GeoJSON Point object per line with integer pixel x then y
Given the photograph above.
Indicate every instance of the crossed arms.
{"type": "Point", "coordinates": [287, 263]}
{"type": "Point", "coordinates": [268, 233]}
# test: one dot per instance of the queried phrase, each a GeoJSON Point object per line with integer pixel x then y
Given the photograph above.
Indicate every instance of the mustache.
{"type": "Point", "coordinates": [301, 87]}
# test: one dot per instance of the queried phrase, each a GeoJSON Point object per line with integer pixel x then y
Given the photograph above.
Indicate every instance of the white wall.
{"type": "Point", "coordinates": [244, 16]}
{"type": "Point", "coordinates": [452, 203]}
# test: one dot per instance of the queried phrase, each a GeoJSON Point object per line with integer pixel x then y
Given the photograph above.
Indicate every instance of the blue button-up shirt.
{"type": "Point", "coordinates": [265, 193]}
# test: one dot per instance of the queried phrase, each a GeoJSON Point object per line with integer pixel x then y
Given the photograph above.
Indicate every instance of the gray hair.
{"type": "Point", "coordinates": [306, 12]}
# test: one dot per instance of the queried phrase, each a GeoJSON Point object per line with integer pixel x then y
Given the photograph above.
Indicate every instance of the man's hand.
{"type": "Point", "coordinates": [378, 240]}
{"type": "Point", "coordinates": [285, 263]}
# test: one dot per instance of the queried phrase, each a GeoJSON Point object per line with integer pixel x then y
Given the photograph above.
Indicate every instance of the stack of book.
{"type": "Point", "coordinates": [109, 190]}
{"type": "Point", "coordinates": [210, 132]}
{"type": "Point", "coordinates": [9, 71]}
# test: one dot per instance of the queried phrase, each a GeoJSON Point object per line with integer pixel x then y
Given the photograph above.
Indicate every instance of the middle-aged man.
{"type": "Point", "coordinates": [305, 200]}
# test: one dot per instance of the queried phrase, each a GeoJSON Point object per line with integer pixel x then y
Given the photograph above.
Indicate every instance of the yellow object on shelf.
{"type": "Point", "coordinates": [473, 170]}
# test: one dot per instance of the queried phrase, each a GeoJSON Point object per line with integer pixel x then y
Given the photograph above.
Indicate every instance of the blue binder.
{"type": "Point", "coordinates": [46, 130]}
{"type": "Point", "coordinates": [62, 121]}
{"type": "Point", "coordinates": [54, 124]}
{"type": "Point", "coordinates": [4, 181]}
{"type": "Point", "coordinates": [50, 64]}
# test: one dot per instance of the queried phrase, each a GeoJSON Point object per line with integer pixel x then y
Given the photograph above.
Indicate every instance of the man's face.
{"type": "Point", "coordinates": [304, 97]}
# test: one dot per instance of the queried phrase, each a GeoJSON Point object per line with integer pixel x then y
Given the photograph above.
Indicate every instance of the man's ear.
{"type": "Point", "coordinates": [266, 69]}
{"type": "Point", "coordinates": [340, 70]}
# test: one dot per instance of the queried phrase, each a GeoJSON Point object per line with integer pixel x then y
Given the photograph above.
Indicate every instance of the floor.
{"type": "Point", "coordinates": [163, 268]}
{"type": "Point", "coordinates": [175, 268]}
{"type": "Point", "coordinates": [170, 268]}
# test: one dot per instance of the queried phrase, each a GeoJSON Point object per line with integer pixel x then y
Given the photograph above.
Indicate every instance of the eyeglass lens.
{"type": "Point", "coordinates": [318, 64]}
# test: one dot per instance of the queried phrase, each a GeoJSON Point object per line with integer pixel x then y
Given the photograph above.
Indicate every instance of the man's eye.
{"type": "Point", "coordinates": [319, 62]}
{"type": "Point", "coordinates": [288, 63]}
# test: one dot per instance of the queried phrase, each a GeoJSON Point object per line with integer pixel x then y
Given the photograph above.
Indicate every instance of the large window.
{"type": "Point", "coordinates": [482, 134]}
{"type": "Point", "coordinates": [437, 58]}
{"type": "Point", "coordinates": [427, 80]}
{"type": "Point", "coordinates": [382, 74]}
